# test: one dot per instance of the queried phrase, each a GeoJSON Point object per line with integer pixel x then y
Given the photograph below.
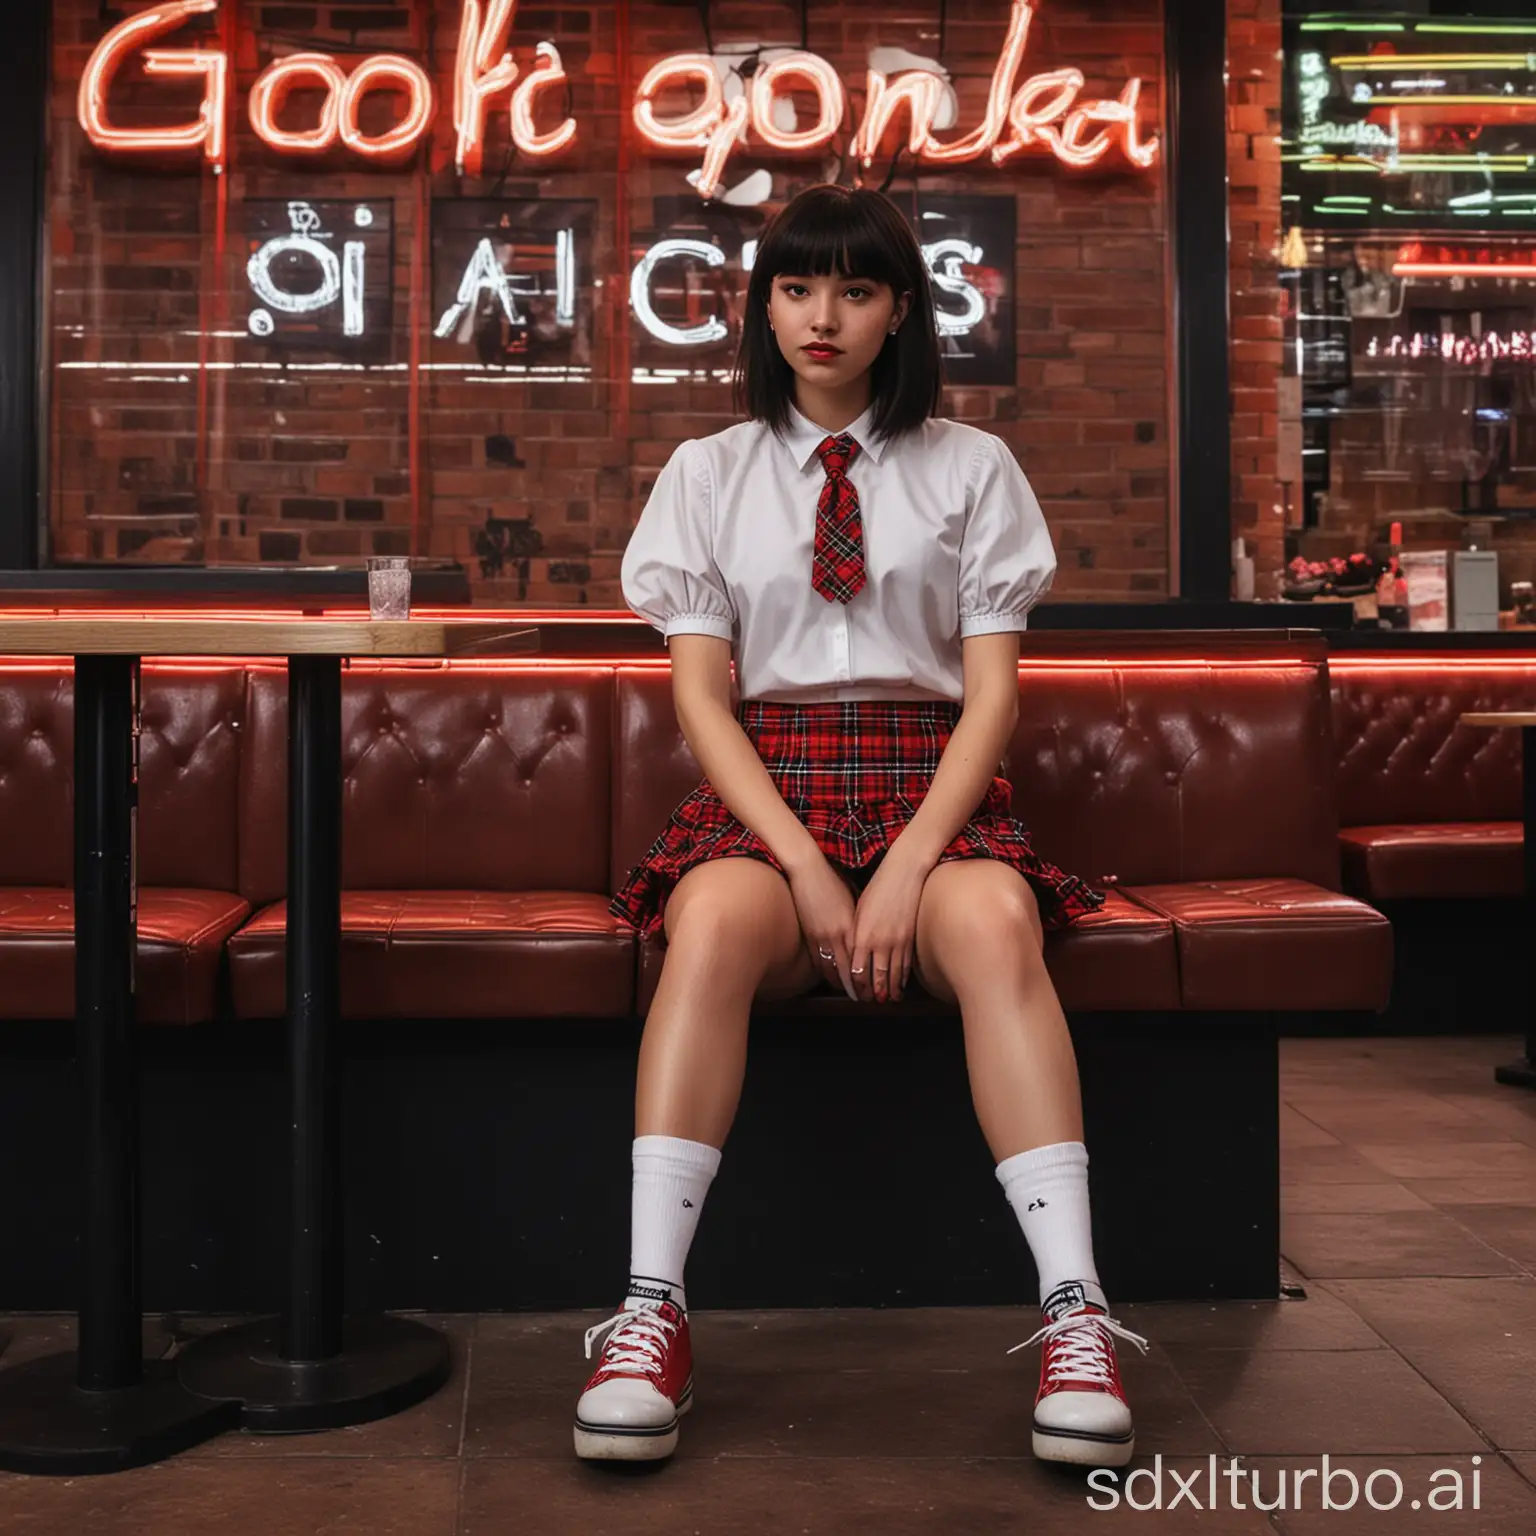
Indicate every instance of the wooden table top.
{"type": "Point", "coordinates": [132, 635]}
{"type": "Point", "coordinates": [1500, 717]}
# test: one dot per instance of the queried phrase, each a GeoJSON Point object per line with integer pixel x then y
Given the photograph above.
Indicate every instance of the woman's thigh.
{"type": "Point", "coordinates": [743, 904]}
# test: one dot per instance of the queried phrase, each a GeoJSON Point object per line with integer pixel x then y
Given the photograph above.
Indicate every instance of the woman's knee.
{"type": "Point", "coordinates": [735, 910]}
{"type": "Point", "coordinates": [972, 913]}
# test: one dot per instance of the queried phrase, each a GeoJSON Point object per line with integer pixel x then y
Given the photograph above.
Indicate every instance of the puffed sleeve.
{"type": "Point", "coordinates": [668, 574]}
{"type": "Point", "coordinates": [1007, 560]}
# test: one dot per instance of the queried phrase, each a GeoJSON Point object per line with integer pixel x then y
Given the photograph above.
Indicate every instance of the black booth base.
{"type": "Point", "coordinates": [487, 1166]}
{"type": "Point", "coordinates": [1517, 1074]}
{"type": "Point", "coordinates": [1459, 968]}
{"type": "Point", "coordinates": [48, 1425]}
{"type": "Point", "coordinates": [386, 1364]}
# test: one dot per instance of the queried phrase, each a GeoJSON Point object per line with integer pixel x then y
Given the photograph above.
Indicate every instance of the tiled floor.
{"type": "Point", "coordinates": [1410, 1220]}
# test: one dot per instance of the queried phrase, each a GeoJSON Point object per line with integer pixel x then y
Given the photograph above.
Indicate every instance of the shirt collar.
{"type": "Point", "coordinates": [804, 436]}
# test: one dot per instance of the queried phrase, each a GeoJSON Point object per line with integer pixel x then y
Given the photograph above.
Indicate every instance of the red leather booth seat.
{"type": "Point", "coordinates": [1201, 792]}
{"type": "Point", "coordinates": [1429, 807]}
{"type": "Point", "coordinates": [489, 811]}
{"type": "Point", "coordinates": [191, 722]}
{"type": "Point", "coordinates": [475, 849]}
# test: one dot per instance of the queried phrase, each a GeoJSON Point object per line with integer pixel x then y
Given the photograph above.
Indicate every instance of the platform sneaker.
{"type": "Point", "coordinates": [1081, 1414]}
{"type": "Point", "coordinates": [642, 1385]}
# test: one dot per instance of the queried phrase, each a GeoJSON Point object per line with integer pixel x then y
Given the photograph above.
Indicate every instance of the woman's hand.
{"type": "Point", "coordinates": [885, 926]}
{"type": "Point", "coordinates": [825, 906]}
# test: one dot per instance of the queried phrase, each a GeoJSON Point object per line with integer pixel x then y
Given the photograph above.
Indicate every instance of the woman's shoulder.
{"type": "Point", "coordinates": [712, 458]}
{"type": "Point", "coordinates": [938, 435]}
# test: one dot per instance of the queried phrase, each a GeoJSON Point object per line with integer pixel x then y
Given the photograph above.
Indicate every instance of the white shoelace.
{"type": "Point", "coordinates": [1085, 1352]}
{"type": "Point", "coordinates": [638, 1343]}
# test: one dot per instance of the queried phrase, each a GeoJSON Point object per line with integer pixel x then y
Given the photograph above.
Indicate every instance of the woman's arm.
{"type": "Point", "coordinates": [702, 697]}
{"type": "Point", "coordinates": [974, 751]}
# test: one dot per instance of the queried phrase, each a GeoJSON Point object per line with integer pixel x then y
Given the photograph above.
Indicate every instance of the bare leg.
{"type": "Point", "coordinates": [732, 933]}
{"type": "Point", "coordinates": [972, 951]}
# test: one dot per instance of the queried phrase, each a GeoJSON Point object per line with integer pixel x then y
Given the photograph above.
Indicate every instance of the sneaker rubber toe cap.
{"type": "Point", "coordinates": [625, 1403]}
{"type": "Point", "coordinates": [1083, 1413]}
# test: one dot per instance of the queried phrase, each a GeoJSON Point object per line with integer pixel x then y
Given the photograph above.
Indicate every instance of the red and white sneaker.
{"type": "Point", "coordinates": [1081, 1414]}
{"type": "Point", "coordinates": [643, 1384]}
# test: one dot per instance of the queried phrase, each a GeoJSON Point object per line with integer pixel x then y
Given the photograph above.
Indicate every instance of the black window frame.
{"type": "Point", "coordinates": [1195, 39]}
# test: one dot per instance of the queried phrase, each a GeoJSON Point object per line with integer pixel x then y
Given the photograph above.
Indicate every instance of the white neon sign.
{"type": "Point", "coordinates": [944, 259]}
{"type": "Point", "coordinates": [484, 274]}
{"type": "Point", "coordinates": [339, 277]}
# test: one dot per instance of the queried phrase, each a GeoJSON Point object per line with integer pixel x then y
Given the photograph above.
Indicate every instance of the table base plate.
{"type": "Point", "coordinates": [386, 1364]}
{"type": "Point", "coordinates": [49, 1425]}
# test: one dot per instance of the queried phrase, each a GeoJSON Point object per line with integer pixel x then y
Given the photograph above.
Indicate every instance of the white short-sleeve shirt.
{"type": "Point", "coordinates": [954, 545]}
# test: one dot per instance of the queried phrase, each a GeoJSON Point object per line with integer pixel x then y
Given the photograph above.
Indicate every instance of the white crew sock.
{"type": "Point", "coordinates": [1048, 1190]}
{"type": "Point", "coordinates": [672, 1177]}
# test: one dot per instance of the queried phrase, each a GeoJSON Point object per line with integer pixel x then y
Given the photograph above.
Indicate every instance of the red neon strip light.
{"type": "Point", "coordinates": [1464, 269]}
{"type": "Point", "coordinates": [1455, 661]}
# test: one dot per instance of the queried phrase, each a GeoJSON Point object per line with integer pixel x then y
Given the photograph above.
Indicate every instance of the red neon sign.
{"type": "Point", "coordinates": [127, 36]}
{"type": "Point", "coordinates": [405, 74]}
{"type": "Point", "coordinates": [1044, 112]}
{"type": "Point", "coordinates": [271, 91]}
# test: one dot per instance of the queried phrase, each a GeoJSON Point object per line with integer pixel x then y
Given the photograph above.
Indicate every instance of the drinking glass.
{"type": "Point", "coordinates": [389, 587]}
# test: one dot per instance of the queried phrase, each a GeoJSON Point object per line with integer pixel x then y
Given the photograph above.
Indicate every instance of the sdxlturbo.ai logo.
{"type": "Point", "coordinates": [1279, 1487]}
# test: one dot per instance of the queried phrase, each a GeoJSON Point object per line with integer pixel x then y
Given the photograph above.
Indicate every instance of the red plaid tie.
{"type": "Point", "coordinates": [837, 565]}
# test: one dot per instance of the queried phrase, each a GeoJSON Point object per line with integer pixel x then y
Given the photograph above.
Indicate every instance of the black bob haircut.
{"type": "Point", "coordinates": [849, 232]}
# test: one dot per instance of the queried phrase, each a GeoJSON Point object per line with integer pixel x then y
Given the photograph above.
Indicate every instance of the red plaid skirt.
{"type": "Point", "coordinates": [854, 773]}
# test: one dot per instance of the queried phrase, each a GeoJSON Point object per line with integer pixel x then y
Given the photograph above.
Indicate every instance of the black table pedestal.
{"type": "Point", "coordinates": [382, 1365]}
{"type": "Point", "coordinates": [101, 1408]}
{"type": "Point", "coordinates": [313, 1368]}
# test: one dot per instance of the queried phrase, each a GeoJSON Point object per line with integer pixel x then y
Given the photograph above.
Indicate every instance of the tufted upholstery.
{"type": "Point", "coordinates": [475, 843]}
{"type": "Point", "coordinates": [37, 743]}
{"type": "Point", "coordinates": [1204, 792]}
{"type": "Point", "coordinates": [191, 719]}
{"type": "Point", "coordinates": [490, 811]}
{"type": "Point", "coordinates": [1144, 773]}
{"type": "Point", "coordinates": [1428, 806]}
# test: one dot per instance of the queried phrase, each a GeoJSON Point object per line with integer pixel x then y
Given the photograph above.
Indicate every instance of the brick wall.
{"type": "Point", "coordinates": [174, 437]}
{"type": "Point", "coordinates": [1253, 167]}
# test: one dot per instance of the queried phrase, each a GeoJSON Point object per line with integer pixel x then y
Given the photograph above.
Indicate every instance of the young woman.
{"type": "Point", "coordinates": [872, 565]}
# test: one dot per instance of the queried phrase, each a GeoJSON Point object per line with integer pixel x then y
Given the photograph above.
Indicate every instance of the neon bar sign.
{"type": "Point", "coordinates": [1490, 347]}
{"type": "Point", "coordinates": [1043, 113]}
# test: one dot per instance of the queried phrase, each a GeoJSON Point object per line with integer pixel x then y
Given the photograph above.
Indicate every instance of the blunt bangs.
{"type": "Point", "coordinates": [849, 232]}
